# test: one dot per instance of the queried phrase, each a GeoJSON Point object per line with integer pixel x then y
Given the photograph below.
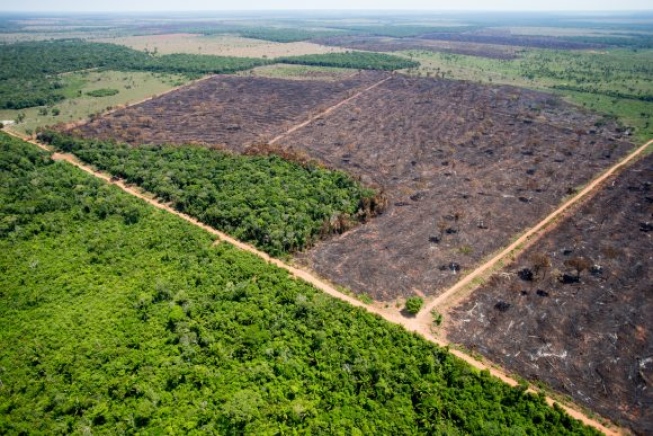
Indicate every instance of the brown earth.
{"type": "Point", "coordinates": [582, 323]}
{"type": "Point", "coordinates": [465, 168]}
{"type": "Point", "coordinates": [387, 44]}
{"type": "Point", "coordinates": [227, 111]}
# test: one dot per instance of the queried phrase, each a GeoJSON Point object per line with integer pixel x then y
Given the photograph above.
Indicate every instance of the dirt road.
{"type": "Point", "coordinates": [422, 323]}
{"type": "Point", "coordinates": [465, 286]}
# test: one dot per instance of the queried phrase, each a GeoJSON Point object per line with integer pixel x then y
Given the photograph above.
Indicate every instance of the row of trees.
{"type": "Point", "coordinates": [278, 205]}
{"type": "Point", "coordinates": [353, 59]}
{"type": "Point", "coordinates": [117, 318]}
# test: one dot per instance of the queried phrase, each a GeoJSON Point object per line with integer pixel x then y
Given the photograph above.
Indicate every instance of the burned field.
{"type": "Point", "coordinates": [225, 111]}
{"type": "Point", "coordinates": [464, 168]}
{"type": "Point", "coordinates": [574, 310]}
{"type": "Point", "coordinates": [388, 44]}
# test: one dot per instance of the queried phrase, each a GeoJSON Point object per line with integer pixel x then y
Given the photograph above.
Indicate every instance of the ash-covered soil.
{"type": "Point", "coordinates": [227, 111]}
{"type": "Point", "coordinates": [465, 168]}
{"type": "Point", "coordinates": [576, 309]}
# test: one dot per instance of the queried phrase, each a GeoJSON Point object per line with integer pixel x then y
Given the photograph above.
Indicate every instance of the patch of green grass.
{"type": "Point", "coordinates": [133, 86]}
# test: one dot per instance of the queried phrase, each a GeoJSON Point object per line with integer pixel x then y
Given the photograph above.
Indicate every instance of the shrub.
{"type": "Point", "coordinates": [413, 305]}
{"type": "Point", "coordinates": [104, 92]}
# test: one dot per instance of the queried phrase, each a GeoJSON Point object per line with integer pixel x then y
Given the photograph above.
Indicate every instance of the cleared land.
{"type": "Point", "coordinates": [451, 157]}
{"type": "Point", "coordinates": [464, 168]}
{"type": "Point", "coordinates": [220, 45]}
{"type": "Point", "coordinates": [574, 310]}
{"type": "Point", "coordinates": [225, 110]}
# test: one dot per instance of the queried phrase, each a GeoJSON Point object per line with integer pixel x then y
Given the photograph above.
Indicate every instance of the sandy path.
{"type": "Point", "coordinates": [417, 324]}
{"type": "Point", "coordinates": [326, 111]}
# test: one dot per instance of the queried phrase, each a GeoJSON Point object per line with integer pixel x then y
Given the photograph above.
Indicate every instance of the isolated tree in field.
{"type": "Point", "coordinates": [413, 305]}
{"type": "Point", "coordinates": [580, 264]}
{"type": "Point", "coordinates": [540, 264]}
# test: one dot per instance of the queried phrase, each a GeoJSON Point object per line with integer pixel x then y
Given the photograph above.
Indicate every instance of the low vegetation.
{"type": "Point", "coordinates": [280, 206]}
{"type": "Point", "coordinates": [78, 105]}
{"type": "Point", "coordinates": [118, 318]}
{"type": "Point", "coordinates": [414, 305]}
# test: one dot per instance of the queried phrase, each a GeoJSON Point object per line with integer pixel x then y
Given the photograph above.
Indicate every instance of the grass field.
{"type": "Point", "coordinates": [132, 87]}
{"type": "Point", "coordinates": [222, 45]}
{"type": "Point", "coordinates": [615, 82]}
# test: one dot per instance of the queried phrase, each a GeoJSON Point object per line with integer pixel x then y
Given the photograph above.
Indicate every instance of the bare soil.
{"type": "Point", "coordinates": [227, 111]}
{"type": "Point", "coordinates": [588, 335]}
{"type": "Point", "coordinates": [465, 168]}
{"type": "Point", "coordinates": [387, 44]}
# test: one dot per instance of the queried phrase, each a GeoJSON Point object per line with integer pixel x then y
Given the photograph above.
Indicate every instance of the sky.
{"type": "Point", "coordinates": [217, 5]}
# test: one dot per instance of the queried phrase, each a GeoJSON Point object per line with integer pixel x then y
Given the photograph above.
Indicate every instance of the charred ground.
{"type": "Point", "coordinates": [574, 309]}
{"type": "Point", "coordinates": [227, 111]}
{"type": "Point", "coordinates": [389, 44]}
{"type": "Point", "coordinates": [465, 168]}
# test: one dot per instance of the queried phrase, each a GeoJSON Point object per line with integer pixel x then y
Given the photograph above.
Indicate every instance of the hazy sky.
{"type": "Point", "coordinates": [190, 5]}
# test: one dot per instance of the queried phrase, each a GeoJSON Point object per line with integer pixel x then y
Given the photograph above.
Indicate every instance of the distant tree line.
{"type": "Point", "coordinates": [353, 59]}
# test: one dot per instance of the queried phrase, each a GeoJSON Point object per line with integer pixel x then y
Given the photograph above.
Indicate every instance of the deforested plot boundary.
{"type": "Point", "coordinates": [465, 168]}
{"type": "Point", "coordinates": [226, 111]}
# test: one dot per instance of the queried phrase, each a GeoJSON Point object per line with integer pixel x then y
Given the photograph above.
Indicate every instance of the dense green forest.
{"type": "Point", "coordinates": [117, 318]}
{"type": "Point", "coordinates": [353, 59]}
{"type": "Point", "coordinates": [278, 205]}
